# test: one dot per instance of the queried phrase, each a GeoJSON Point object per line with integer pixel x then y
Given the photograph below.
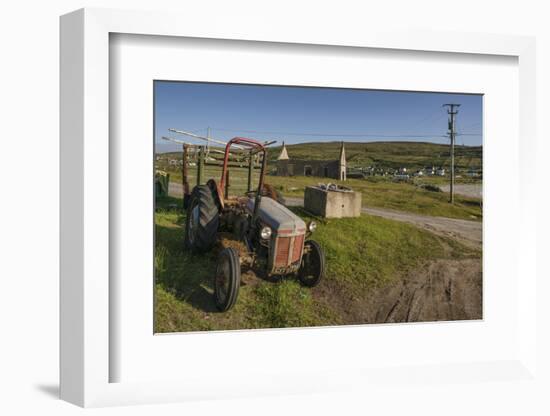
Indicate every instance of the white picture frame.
{"type": "Point", "coordinates": [85, 350]}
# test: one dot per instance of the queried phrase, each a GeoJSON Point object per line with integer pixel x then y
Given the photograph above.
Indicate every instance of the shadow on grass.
{"type": "Point", "coordinates": [189, 277]}
{"type": "Point", "coordinates": [168, 203]}
{"type": "Point", "coordinates": [471, 202]}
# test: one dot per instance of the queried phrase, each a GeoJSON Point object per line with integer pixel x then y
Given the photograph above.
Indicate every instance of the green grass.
{"type": "Point", "coordinates": [380, 192]}
{"type": "Point", "coordinates": [362, 253]}
{"type": "Point", "coordinates": [369, 251]}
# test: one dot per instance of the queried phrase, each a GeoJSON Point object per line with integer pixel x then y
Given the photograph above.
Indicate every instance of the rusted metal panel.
{"type": "Point", "coordinates": [282, 248]}
{"type": "Point", "coordinates": [297, 250]}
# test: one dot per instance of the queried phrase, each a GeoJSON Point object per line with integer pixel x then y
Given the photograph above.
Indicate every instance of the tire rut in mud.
{"type": "Point", "coordinates": [443, 290]}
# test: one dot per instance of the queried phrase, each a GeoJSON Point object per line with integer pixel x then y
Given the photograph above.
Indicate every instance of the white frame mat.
{"type": "Point", "coordinates": [85, 354]}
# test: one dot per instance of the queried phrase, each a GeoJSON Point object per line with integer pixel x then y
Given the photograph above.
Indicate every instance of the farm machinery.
{"type": "Point", "coordinates": [271, 239]}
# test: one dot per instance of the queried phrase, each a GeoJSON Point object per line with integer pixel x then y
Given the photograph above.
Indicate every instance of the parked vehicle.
{"type": "Point", "coordinates": [276, 241]}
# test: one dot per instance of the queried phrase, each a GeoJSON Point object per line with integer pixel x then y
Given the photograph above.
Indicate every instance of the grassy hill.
{"type": "Point", "coordinates": [412, 155]}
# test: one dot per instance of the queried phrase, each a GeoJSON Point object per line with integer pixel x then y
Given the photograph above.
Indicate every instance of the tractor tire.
{"type": "Point", "coordinates": [227, 280]}
{"type": "Point", "coordinates": [203, 218]}
{"type": "Point", "coordinates": [312, 269]}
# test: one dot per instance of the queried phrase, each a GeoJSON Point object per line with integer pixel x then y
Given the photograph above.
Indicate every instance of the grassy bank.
{"type": "Point", "coordinates": [362, 254]}
{"type": "Point", "coordinates": [376, 192]}
{"type": "Point", "coordinates": [384, 193]}
{"type": "Point", "coordinates": [382, 154]}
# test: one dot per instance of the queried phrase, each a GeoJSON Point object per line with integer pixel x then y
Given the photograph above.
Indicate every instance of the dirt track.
{"type": "Point", "coordinates": [467, 232]}
{"type": "Point", "coordinates": [473, 190]}
{"type": "Point", "coordinates": [175, 189]}
{"type": "Point", "coordinates": [444, 290]}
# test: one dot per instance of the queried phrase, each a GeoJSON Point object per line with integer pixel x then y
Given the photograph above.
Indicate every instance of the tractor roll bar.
{"type": "Point", "coordinates": [254, 146]}
{"type": "Point", "coordinates": [251, 144]}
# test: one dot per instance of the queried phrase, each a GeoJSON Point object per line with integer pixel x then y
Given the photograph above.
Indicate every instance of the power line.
{"type": "Point", "coordinates": [433, 117]}
{"type": "Point", "coordinates": [331, 134]}
{"type": "Point", "coordinates": [354, 135]}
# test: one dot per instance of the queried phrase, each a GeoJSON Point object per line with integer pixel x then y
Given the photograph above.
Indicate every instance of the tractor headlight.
{"type": "Point", "coordinates": [265, 233]}
{"type": "Point", "coordinates": [312, 226]}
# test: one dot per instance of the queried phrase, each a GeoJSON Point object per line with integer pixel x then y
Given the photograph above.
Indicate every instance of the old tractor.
{"type": "Point", "coordinates": [276, 241]}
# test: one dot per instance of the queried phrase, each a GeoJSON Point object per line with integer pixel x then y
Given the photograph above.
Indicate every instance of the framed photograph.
{"type": "Point", "coordinates": [319, 249]}
{"type": "Point", "coordinates": [292, 212]}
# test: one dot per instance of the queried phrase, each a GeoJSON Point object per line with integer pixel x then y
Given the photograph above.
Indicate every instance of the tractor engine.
{"type": "Point", "coordinates": [282, 232]}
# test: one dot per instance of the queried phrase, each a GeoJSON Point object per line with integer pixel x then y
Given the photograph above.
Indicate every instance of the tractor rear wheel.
{"type": "Point", "coordinates": [312, 269]}
{"type": "Point", "coordinates": [202, 219]}
{"type": "Point", "coordinates": [227, 280]}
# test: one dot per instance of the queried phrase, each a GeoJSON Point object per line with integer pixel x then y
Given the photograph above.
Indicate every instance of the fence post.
{"type": "Point", "coordinates": [227, 184]}
{"type": "Point", "coordinates": [184, 174]}
{"type": "Point", "coordinates": [250, 168]}
{"type": "Point", "coordinates": [200, 165]}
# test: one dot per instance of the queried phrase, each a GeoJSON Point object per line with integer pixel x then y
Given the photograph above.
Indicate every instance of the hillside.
{"type": "Point", "coordinates": [411, 155]}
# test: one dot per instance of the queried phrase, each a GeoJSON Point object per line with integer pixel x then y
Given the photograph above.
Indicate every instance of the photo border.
{"type": "Point", "coordinates": [84, 201]}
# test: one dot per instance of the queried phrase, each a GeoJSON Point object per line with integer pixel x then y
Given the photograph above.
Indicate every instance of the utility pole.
{"type": "Point", "coordinates": [250, 168]}
{"type": "Point", "coordinates": [452, 110]}
{"type": "Point", "coordinates": [185, 175]}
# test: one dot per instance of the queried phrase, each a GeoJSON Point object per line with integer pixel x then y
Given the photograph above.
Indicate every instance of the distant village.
{"type": "Point", "coordinates": [337, 168]}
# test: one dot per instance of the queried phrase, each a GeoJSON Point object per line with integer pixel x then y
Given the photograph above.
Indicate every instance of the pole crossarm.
{"type": "Point", "coordinates": [171, 139]}
{"type": "Point", "coordinates": [196, 136]}
{"type": "Point", "coordinates": [210, 139]}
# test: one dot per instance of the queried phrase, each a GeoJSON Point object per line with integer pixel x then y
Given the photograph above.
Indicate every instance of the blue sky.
{"type": "Point", "coordinates": [297, 114]}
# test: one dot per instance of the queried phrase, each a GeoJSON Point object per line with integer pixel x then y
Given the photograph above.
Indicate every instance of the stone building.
{"type": "Point", "coordinates": [335, 169]}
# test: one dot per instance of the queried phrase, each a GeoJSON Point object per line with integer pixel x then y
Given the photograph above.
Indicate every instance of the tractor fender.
{"type": "Point", "coordinates": [216, 191]}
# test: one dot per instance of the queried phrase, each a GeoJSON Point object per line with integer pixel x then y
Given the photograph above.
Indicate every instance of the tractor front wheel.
{"type": "Point", "coordinates": [312, 269]}
{"type": "Point", "coordinates": [227, 280]}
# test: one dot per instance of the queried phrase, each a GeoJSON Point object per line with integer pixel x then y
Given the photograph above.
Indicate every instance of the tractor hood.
{"type": "Point", "coordinates": [278, 217]}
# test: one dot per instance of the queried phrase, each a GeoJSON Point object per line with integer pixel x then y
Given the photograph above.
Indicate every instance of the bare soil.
{"type": "Point", "coordinates": [444, 290]}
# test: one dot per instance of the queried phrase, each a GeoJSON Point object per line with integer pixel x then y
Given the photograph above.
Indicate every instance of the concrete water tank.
{"type": "Point", "coordinates": [332, 201]}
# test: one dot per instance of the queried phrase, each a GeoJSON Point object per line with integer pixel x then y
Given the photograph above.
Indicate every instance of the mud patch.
{"type": "Point", "coordinates": [443, 290]}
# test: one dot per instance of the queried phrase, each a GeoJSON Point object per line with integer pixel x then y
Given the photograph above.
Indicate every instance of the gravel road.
{"type": "Point", "coordinates": [175, 189]}
{"type": "Point", "coordinates": [466, 189]}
